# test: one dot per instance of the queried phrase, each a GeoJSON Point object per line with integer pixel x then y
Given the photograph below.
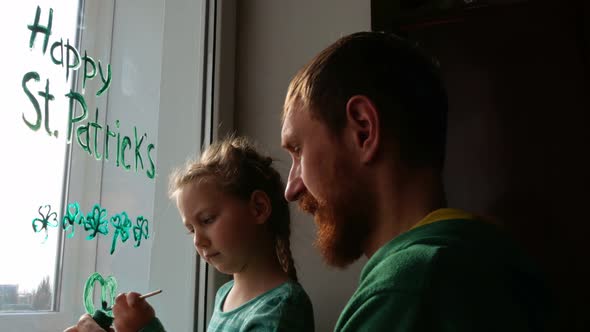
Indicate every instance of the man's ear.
{"type": "Point", "coordinates": [260, 206]}
{"type": "Point", "coordinates": [363, 120]}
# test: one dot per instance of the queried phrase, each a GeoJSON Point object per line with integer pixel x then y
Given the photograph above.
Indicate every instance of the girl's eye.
{"type": "Point", "coordinates": [190, 231]}
{"type": "Point", "coordinates": [208, 221]}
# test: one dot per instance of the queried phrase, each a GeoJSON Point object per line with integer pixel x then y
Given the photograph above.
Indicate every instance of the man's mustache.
{"type": "Point", "coordinates": [308, 203]}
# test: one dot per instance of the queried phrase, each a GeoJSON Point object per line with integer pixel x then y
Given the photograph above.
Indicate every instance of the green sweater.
{"type": "Point", "coordinates": [283, 308]}
{"type": "Point", "coordinates": [451, 275]}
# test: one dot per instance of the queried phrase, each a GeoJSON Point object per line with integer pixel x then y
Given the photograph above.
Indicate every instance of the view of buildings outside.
{"type": "Point", "coordinates": [39, 299]}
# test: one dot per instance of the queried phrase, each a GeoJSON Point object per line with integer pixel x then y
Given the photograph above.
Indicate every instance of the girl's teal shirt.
{"type": "Point", "coordinates": [283, 308]}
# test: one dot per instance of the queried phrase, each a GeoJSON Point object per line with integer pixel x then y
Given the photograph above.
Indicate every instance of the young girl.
{"type": "Point", "coordinates": [232, 204]}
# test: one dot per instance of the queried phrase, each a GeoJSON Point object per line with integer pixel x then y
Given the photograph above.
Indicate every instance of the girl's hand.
{"type": "Point", "coordinates": [131, 313]}
{"type": "Point", "coordinates": [86, 324]}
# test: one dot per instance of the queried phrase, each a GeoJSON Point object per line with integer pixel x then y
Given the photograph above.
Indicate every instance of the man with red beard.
{"type": "Point", "coordinates": [365, 125]}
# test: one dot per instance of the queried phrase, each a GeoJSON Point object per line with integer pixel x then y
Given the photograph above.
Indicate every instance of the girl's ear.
{"type": "Point", "coordinates": [260, 206]}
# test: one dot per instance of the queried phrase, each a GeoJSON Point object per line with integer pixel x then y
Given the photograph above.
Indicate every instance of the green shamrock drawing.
{"type": "Point", "coordinates": [122, 224]}
{"type": "Point", "coordinates": [140, 229]}
{"type": "Point", "coordinates": [46, 220]}
{"type": "Point", "coordinates": [71, 218]}
{"type": "Point", "coordinates": [96, 222]}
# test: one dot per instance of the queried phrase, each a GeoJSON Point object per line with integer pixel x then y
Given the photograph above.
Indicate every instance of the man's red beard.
{"type": "Point", "coordinates": [342, 228]}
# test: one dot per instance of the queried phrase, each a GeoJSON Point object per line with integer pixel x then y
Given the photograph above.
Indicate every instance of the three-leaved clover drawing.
{"type": "Point", "coordinates": [72, 217]}
{"type": "Point", "coordinates": [96, 222]}
{"type": "Point", "coordinates": [47, 219]}
{"type": "Point", "coordinates": [140, 229]}
{"type": "Point", "coordinates": [121, 224]}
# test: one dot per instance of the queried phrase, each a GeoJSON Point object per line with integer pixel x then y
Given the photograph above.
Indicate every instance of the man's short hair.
{"type": "Point", "coordinates": [403, 83]}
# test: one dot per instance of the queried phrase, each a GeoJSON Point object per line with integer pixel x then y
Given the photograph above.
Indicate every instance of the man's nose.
{"type": "Point", "coordinates": [295, 186]}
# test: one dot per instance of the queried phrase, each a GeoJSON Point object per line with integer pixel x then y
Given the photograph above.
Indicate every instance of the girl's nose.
{"type": "Point", "coordinates": [201, 240]}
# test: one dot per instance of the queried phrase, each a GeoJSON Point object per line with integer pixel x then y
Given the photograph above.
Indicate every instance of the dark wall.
{"type": "Point", "coordinates": [519, 93]}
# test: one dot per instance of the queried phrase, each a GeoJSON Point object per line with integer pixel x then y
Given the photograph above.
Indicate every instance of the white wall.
{"type": "Point", "coordinates": [274, 39]}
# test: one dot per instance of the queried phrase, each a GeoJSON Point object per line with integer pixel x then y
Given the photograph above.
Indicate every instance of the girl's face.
{"type": "Point", "coordinates": [224, 228]}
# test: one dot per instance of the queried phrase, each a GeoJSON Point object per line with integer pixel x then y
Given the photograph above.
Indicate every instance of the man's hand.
{"type": "Point", "coordinates": [86, 324]}
{"type": "Point", "coordinates": [131, 313]}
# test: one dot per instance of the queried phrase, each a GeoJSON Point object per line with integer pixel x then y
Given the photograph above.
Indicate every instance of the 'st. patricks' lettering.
{"type": "Point", "coordinates": [88, 133]}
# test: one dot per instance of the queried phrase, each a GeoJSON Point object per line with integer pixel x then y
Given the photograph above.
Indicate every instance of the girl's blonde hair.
{"type": "Point", "coordinates": [239, 170]}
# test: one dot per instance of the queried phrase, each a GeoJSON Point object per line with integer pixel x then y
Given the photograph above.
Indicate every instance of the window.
{"type": "Point", "coordinates": [34, 149]}
{"type": "Point", "coordinates": [161, 80]}
{"type": "Point", "coordinates": [42, 168]}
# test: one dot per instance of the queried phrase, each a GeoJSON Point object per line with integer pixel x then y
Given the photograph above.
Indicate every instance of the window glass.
{"type": "Point", "coordinates": [50, 162]}
{"type": "Point", "coordinates": [33, 133]}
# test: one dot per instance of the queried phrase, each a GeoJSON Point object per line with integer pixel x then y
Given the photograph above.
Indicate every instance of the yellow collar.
{"type": "Point", "coordinates": [444, 214]}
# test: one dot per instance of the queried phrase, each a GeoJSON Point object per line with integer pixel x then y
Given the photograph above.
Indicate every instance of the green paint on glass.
{"type": "Point", "coordinates": [96, 222]}
{"type": "Point", "coordinates": [126, 143]}
{"type": "Point", "coordinates": [151, 173]}
{"type": "Point", "coordinates": [96, 127]}
{"type": "Point", "coordinates": [118, 162]}
{"type": "Point", "coordinates": [109, 133]}
{"type": "Point", "coordinates": [72, 56]}
{"type": "Point", "coordinates": [47, 219]}
{"type": "Point", "coordinates": [71, 51]}
{"type": "Point", "coordinates": [138, 158]}
{"type": "Point", "coordinates": [107, 285]}
{"type": "Point", "coordinates": [69, 58]}
{"type": "Point", "coordinates": [75, 96]}
{"type": "Point", "coordinates": [121, 224]}
{"type": "Point", "coordinates": [83, 129]}
{"type": "Point", "coordinates": [48, 97]}
{"type": "Point", "coordinates": [60, 61]}
{"type": "Point", "coordinates": [106, 82]}
{"type": "Point", "coordinates": [36, 28]}
{"type": "Point", "coordinates": [72, 217]}
{"type": "Point", "coordinates": [140, 230]}
{"type": "Point", "coordinates": [32, 76]}
{"type": "Point", "coordinates": [88, 75]}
